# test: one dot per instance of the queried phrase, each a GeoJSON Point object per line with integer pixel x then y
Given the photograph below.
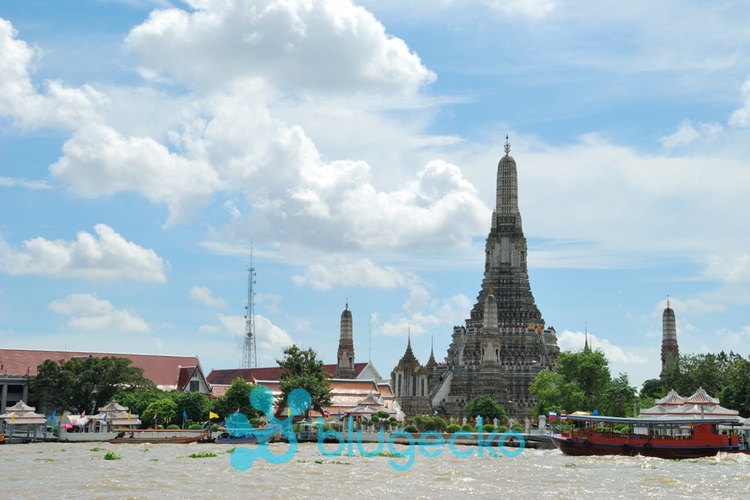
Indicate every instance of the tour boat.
{"type": "Point", "coordinates": [654, 437]}
{"type": "Point", "coordinates": [179, 436]}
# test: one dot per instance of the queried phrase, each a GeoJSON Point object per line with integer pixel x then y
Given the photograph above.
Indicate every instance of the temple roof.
{"type": "Point", "coordinates": [672, 398]}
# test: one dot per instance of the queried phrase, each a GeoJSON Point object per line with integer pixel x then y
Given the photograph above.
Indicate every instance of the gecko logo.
{"type": "Point", "coordinates": [238, 425]}
{"type": "Point", "coordinates": [299, 401]}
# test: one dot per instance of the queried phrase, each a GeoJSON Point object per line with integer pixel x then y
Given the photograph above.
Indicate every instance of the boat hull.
{"type": "Point", "coordinates": [159, 436]}
{"type": "Point", "coordinates": [664, 449]}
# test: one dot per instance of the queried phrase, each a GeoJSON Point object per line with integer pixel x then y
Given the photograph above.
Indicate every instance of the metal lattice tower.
{"type": "Point", "coordinates": [249, 353]}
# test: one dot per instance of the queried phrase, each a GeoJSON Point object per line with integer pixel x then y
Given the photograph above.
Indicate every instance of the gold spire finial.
{"type": "Point", "coordinates": [507, 145]}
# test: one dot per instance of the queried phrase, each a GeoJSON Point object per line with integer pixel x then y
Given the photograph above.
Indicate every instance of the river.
{"type": "Point", "coordinates": [55, 470]}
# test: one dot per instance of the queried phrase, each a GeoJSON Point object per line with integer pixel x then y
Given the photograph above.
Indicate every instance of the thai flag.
{"type": "Point", "coordinates": [563, 416]}
{"type": "Point", "coordinates": [552, 415]}
{"type": "Point", "coordinates": [326, 414]}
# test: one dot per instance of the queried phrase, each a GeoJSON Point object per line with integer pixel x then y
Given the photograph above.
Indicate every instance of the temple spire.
{"type": "Point", "coordinates": [507, 145]}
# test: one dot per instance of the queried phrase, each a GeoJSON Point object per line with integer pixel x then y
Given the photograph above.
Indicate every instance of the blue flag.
{"type": "Point", "coordinates": [52, 417]}
{"type": "Point", "coordinates": [184, 415]}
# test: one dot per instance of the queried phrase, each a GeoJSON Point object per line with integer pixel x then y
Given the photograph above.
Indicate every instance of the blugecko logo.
{"type": "Point", "coordinates": [261, 399]}
{"type": "Point", "coordinates": [299, 401]}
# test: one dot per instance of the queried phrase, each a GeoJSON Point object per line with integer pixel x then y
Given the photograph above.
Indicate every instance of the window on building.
{"type": "Point", "coordinates": [398, 386]}
{"type": "Point", "coordinates": [194, 386]}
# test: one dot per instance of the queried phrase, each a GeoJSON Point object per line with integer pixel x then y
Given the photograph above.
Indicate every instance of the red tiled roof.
{"type": "Point", "coordinates": [164, 371]}
{"type": "Point", "coordinates": [226, 377]}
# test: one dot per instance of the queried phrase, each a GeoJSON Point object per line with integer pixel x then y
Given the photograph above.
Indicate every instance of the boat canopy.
{"type": "Point", "coordinates": [652, 421]}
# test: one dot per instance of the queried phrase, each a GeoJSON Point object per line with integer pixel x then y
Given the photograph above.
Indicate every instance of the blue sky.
{"type": "Point", "coordinates": [146, 146]}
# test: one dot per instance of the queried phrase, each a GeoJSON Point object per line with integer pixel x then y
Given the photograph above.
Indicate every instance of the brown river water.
{"type": "Point", "coordinates": [78, 470]}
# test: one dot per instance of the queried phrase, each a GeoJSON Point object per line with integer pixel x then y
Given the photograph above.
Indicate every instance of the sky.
{"type": "Point", "coordinates": [151, 152]}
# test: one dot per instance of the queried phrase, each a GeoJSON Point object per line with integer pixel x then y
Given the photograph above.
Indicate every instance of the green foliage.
{"type": "Point", "coordinates": [195, 427]}
{"type": "Point", "coordinates": [410, 428]}
{"type": "Point", "coordinates": [486, 407]}
{"type": "Point", "coordinates": [439, 424]}
{"type": "Point", "coordinates": [589, 370]}
{"type": "Point", "coordinates": [453, 428]}
{"type": "Point", "coordinates": [467, 428]}
{"type": "Point", "coordinates": [236, 397]}
{"type": "Point", "coordinates": [618, 398]}
{"type": "Point", "coordinates": [195, 404]}
{"type": "Point", "coordinates": [111, 455]}
{"type": "Point", "coordinates": [653, 388]}
{"type": "Point", "coordinates": [165, 409]}
{"type": "Point", "coordinates": [173, 426]}
{"type": "Point", "coordinates": [502, 428]}
{"type": "Point", "coordinates": [203, 454]}
{"type": "Point", "coordinates": [85, 384]}
{"type": "Point", "coordinates": [517, 427]}
{"type": "Point", "coordinates": [487, 428]}
{"type": "Point", "coordinates": [302, 369]}
{"type": "Point", "coordinates": [137, 402]}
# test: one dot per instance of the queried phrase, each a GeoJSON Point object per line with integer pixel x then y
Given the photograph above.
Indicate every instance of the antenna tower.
{"type": "Point", "coordinates": [249, 353]}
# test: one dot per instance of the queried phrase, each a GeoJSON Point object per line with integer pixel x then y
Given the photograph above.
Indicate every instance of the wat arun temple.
{"type": "Point", "coordinates": [504, 343]}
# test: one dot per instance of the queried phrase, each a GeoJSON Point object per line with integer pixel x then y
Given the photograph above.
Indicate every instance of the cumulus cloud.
{"type": "Point", "coordinates": [342, 270]}
{"type": "Point", "coordinates": [685, 307]}
{"type": "Point", "coordinates": [730, 269]}
{"type": "Point", "coordinates": [28, 184]}
{"type": "Point", "coordinates": [329, 45]}
{"type": "Point", "coordinates": [100, 161]}
{"type": "Point", "coordinates": [56, 106]}
{"type": "Point", "coordinates": [202, 294]}
{"type": "Point", "coordinates": [269, 337]}
{"type": "Point", "coordinates": [575, 341]}
{"type": "Point", "coordinates": [741, 116]}
{"type": "Point", "coordinates": [89, 313]}
{"type": "Point", "coordinates": [104, 256]}
{"type": "Point", "coordinates": [687, 133]}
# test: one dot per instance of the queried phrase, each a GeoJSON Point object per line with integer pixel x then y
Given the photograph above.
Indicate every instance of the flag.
{"type": "Point", "coordinates": [28, 369]}
{"type": "Point", "coordinates": [563, 416]}
{"type": "Point", "coordinates": [13, 418]}
{"type": "Point", "coordinates": [154, 417]}
{"type": "Point", "coordinates": [128, 414]}
{"type": "Point", "coordinates": [212, 415]}
{"type": "Point", "coordinates": [326, 414]}
{"type": "Point", "coordinates": [62, 417]}
{"type": "Point", "coordinates": [254, 381]}
{"type": "Point", "coordinates": [552, 415]}
{"type": "Point", "coordinates": [83, 414]}
{"type": "Point", "coordinates": [52, 417]}
{"type": "Point", "coordinates": [184, 414]}
{"type": "Point", "coordinates": [339, 413]}
{"type": "Point", "coordinates": [105, 415]}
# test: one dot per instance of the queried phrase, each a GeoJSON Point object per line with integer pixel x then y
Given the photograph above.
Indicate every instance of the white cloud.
{"type": "Point", "coordinates": [575, 341]}
{"type": "Point", "coordinates": [106, 256]}
{"type": "Point", "coordinates": [57, 106]}
{"type": "Point", "coordinates": [328, 45]}
{"type": "Point", "coordinates": [735, 340]}
{"type": "Point", "coordinates": [203, 295]}
{"type": "Point", "coordinates": [89, 313]}
{"type": "Point", "coordinates": [730, 269]}
{"type": "Point", "coordinates": [342, 270]}
{"type": "Point", "coordinates": [269, 337]}
{"type": "Point", "coordinates": [741, 116]}
{"type": "Point", "coordinates": [687, 133]}
{"type": "Point", "coordinates": [9, 182]}
{"type": "Point", "coordinates": [99, 161]}
{"type": "Point", "coordinates": [687, 307]}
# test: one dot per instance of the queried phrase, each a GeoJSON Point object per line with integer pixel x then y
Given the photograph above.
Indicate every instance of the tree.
{"type": "Point", "coordinates": [486, 407]}
{"type": "Point", "coordinates": [237, 398]}
{"type": "Point", "coordinates": [653, 388]}
{"type": "Point", "coordinates": [618, 398]}
{"type": "Point", "coordinates": [302, 369]}
{"type": "Point", "coordinates": [693, 371]}
{"type": "Point", "coordinates": [736, 392]}
{"type": "Point", "coordinates": [165, 411]}
{"type": "Point", "coordinates": [589, 370]}
{"type": "Point", "coordinates": [86, 384]}
{"type": "Point", "coordinates": [195, 404]}
{"type": "Point", "coordinates": [554, 393]}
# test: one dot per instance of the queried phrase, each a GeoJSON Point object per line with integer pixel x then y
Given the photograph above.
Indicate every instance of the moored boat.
{"type": "Point", "coordinates": [662, 438]}
{"type": "Point", "coordinates": [151, 436]}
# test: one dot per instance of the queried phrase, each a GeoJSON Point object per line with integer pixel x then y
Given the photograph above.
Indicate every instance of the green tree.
{"type": "Point", "coordinates": [693, 371]}
{"type": "Point", "coordinates": [736, 392]}
{"type": "Point", "coordinates": [618, 398]}
{"type": "Point", "coordinates": [195, 404]}
{"type": "Point", "coordinates": [302, 369]}
{"type": "Point", "coordinates": [589, 370]}
{"type": "Point", "coordinates": [86, 384]}
{"type": "Point", "coordinates": [486, 407]}
{"type": "Point", "coordinates": [653, 388]}
{"type": "Point", "coordinates": [237, 398]}
{"type": "Point", "coordinates": [165, 411]}
{"type": "Point", "coordinates": [137, 402]}
{"type": "Point", "coordinates": [554, 393]}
